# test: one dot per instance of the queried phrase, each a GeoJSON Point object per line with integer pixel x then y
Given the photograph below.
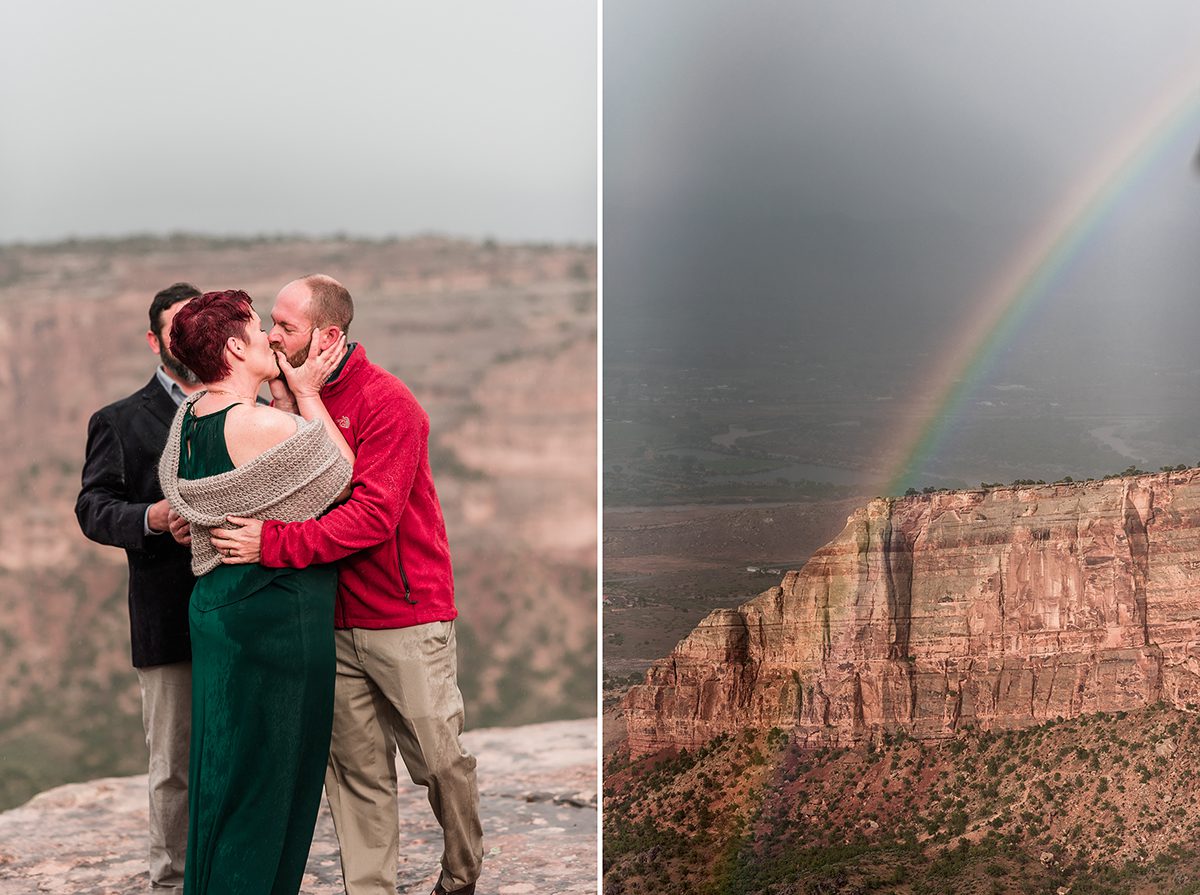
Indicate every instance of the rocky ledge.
{"type": "Point", "coordinates": [1002, 607]}
{"type": "Point", "coordinates": [537, 787]}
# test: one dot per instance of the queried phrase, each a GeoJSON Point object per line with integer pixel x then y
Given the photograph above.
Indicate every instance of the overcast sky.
{"type": "Point", "coordinates": [854, 173]}
{"type": "Point", "coordinates": [373, 118]}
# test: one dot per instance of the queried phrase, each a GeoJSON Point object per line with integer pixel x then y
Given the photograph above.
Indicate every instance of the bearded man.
{"type": "Point", "coordinates": [397, 667]}
{"type": "Point", "coordinates": [121, 505]}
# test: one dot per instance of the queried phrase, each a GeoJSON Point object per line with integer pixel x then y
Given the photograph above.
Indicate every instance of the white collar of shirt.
{"type": "Point", "coordinates": [173, 388]}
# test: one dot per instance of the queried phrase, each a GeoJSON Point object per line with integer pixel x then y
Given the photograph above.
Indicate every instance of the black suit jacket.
{"type": "Point", "coordinates": [120, 479]}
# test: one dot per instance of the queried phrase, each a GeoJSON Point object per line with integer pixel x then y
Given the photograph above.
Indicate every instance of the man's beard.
{"type": "Point", "coordinates": [173, 365]}
{"type": "Point", "coordinates": [297, 358]}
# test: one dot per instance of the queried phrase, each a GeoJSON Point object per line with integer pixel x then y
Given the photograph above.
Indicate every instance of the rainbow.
{"type": "Point", "coordinates": [1031, 274]}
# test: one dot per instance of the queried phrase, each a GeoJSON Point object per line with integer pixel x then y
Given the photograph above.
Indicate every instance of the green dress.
{"type": "Point", "coordinates": [262, 708]}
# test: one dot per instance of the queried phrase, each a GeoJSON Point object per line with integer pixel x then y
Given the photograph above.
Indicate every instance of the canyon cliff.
{"type": "Point", "coordinates": [996, 608]}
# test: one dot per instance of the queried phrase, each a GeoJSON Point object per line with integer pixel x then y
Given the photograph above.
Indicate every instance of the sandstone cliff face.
{"type": "Point", "coordinates": [1001, 608]}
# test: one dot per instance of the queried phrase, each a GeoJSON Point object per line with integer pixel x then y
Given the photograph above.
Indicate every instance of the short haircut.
{"type": "Point", "coordinates": [330, 303]}
{"type": "Point", "coordinates": [201, 328]}
{"type": "Point", "coordinates": [165, 299]}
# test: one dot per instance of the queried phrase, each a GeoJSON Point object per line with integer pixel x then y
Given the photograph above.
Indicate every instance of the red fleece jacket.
{"type": "Point", "coordinates": [390, 538]}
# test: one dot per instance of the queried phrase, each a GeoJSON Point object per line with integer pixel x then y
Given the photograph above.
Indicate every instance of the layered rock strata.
{"type": "Point", "coordinates": [1001, 608]}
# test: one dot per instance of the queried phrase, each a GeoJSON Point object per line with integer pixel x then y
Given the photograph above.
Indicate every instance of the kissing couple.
{"type": "Point", "coordinates": [321, 619]}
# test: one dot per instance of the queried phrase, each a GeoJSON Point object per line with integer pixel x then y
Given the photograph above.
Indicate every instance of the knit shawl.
{"type": "Point", "coordinates": [295, 480]}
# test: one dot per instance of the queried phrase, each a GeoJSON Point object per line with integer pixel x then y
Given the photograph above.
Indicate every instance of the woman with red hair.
{"type": "Point", "coordinates": [262, 639]}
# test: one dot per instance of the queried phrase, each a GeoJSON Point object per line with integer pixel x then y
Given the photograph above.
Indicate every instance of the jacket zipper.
{"type": "Point", "coordinates": [404, 578]}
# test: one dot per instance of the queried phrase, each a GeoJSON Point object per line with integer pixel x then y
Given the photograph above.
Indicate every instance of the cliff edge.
{"type": "Point", "coordinates": [1001, 608]}
{"type": "Point", "coordinates": [537, 787]}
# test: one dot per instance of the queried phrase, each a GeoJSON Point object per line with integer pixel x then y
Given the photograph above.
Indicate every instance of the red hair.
{"type": "Point", "coordinates": [203, 325]}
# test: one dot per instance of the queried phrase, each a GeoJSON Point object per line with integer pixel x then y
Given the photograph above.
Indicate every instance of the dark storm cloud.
{"type": "Point", "coordinates": [856, 174]}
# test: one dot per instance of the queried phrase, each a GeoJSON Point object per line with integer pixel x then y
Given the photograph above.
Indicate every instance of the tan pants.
{"type": "Point", "coordinates": [398, 689]}
{"type": "Point", "coordinates": [167, 718]}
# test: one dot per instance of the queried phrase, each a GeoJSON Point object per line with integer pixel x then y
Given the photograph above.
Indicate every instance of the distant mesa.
{"type": "Point", "coordinates": [1000, 608]}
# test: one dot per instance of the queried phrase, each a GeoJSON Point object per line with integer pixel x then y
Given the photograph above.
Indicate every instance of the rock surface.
{"type": "Point", "coordinates": [1001, 607]}
{"type": "Point", "coordinates": [538, 803]}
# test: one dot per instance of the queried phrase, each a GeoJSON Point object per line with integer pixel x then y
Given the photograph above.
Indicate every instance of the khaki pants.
{"type": "Point", "coordinates": [398, 689]}
{"type": "Point", "coordinates": [167, 718]}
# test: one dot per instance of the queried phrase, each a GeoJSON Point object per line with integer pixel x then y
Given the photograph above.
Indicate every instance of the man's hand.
{"type": "Point", "coordinates": [240, 542]}
{"type": "Point", "coordinates": [179, 528]}
{"type": "Point", "coordinates": [281, 395]}
{"type": "Point", "coordinates": [305, 381]}
{"type": "Point", "coordinates": [157, 518]}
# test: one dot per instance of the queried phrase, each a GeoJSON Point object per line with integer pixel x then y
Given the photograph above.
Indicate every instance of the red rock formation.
{"type": "Point", "coordinates": [1001, 608]}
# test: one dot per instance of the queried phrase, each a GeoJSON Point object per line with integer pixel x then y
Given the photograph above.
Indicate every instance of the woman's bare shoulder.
{"type": "Point", "coordinates": [250, 430]}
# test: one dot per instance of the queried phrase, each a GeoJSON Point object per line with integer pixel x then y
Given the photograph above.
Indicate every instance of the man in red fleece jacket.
{"type": "Point", "coordinates": [397, 678]}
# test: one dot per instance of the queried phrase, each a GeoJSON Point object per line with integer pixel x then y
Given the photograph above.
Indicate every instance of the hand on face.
{"type": "Point", "coordinates": [281, 396]}
{"type": "Point", "coordinates": [305, 381]}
